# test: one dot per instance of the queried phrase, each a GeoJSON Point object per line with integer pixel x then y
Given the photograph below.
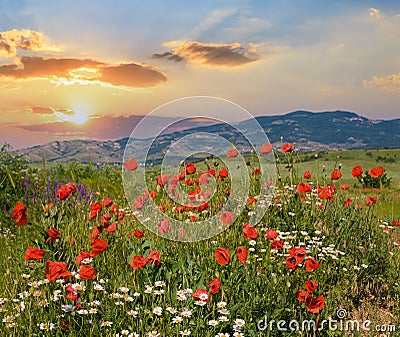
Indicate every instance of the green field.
{"type": "Point", "coordinates": [351, 252]}
{"type": "Point", "coordinates": [389, 158]}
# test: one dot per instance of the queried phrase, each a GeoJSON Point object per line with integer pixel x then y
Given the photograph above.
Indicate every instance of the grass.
{"type": "Point", "coordinates": [356, 248]}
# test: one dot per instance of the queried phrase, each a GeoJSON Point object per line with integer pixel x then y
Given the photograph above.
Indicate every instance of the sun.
{"type": "Point", "coordinates": [77, 118]}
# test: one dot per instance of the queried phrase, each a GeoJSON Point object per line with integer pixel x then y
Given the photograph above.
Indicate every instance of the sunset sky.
{"type": "Point", "coordinates": [85, 69]}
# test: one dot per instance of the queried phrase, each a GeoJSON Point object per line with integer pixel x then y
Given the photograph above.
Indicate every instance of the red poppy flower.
{"type": "Point", "coordinates": [371, 201]}
{"type": "Point", "coordinates": [242, 254]}
{"type": "Point", "coordinates": [266, 148]}
{"type": "Point", "coordinates": [277, 244]}
{"type": "Point", "coordinates": [105, 220]}
{"type": "Point", "coordinates": [47, 207]}
{"type": "Point", "coordinates": [292, 262]}
{"type": "Point", "coordinates": [34, 253]}
{"type": "Point", "coordinates": [202, 206]}
{"type": "Point", "coordinates": [249, 231]}
{"type": "Point", "coordinates": [152, 194]}
{"type": "Point", "coordinates": [139, 202]}
{"type": "Point", "coordinates": [72, 188]}
{"type": "Point", "coordinates": [214, 285]}
{"type": "Point", "coordinates": [315, 305]}
{"type": "Point", "coordinates": [19, 214]}
{"type": "Point", "coordinates": [98, 246]}
{"type": "Point", "coordinates": [307, 174]}
{"type": "Point", "coordinates": [131, 164]}
{"type": "Point", "coordinates": [223, 173]}
{"type": "Point", "coordinates": [72, 296]}
{"type": "Point", "coordinates": [271, 234]}
{"type": "Point", "coordinates": [326, 193]}
{"type": "Point", "coordinates": [232, 153]}
{"type": "Point", "coordinates": [95, 209]}
{"type": "Point", "coordinates": [63, 192]}
{"type": "Point", "coordinates": [311, 264]}
{"type": "Point", "coordinates": [311, 286]}
{"type": "Point", "coordinates": [112, 228]}
{"type": "Point", "coordinates": [95, 234]}
{"type": "Point", "coordinates": [189, 181]}
{"type": "Point", "coordinates": [204, 178]}
{"type": "Point", "coordinates": [201, 295]}
{"type": "Point", "coordinates": [303, 188]}
{"type": "Point", "coordinates": [303, 296]}
{"type": "Point", "coordinates": [163, 226]}
{"type": "Point", "coordinates": [154, 257]}
{"type": "Point", "coordinates": [138, 262]}
{"type": "Point", "coordinates": [396, 223]}
{"type": "Point", "coordinates": [190, 168]}
{"type": "Point", "coordinates": [162, 179]}
{"type": "Point", "coordinates": [87, 272]}
{"type": "Point", "coordinates": [107, 202]}
{"type": "Point", "coordinates": [82, 256]}
{"type": "Point", "coordinates": [344, 187]}
{"type": "Point", "coordinates": [347, 202]}
{"type": "Point", "coordinates": [357, 171]}
{"type": "Point", "coordinates": [212, 172]}
{"type": "Point", "coordinates": [376, 172]}
{"type": "Point", "coordinates": [287, 148]}
{"type": "Point", "coordinates": [226, 218]}
{"type": "Point", "coordinates": [55, 270]}
{"type": "Point", "coordinates": [222, 255]}
{"type": "Point", "coordinates": [181, 175]}
{"type": "Point", "coordinates": [251, 200]}
{"type": "Point", "coordinates": [336, 174]}
{"type": "Point", "coordinates": [138, 233]}
{"type": "Point", "coordinates": [114, 208]}
{"type": "Point", "coordinates": [299, 253]}
{"type": "Point", "coordinates": [54, 234]}
{"type": "Point", "coordinates": [256, 172]}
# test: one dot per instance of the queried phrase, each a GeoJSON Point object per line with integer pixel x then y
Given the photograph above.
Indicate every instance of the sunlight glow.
{"type": "Point", "coordinates": [77, 118]}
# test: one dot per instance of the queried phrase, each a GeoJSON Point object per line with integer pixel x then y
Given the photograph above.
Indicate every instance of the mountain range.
{"type": "Point", "coordinates": [311, 131]}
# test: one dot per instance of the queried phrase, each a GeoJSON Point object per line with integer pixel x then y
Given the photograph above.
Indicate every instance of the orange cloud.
{"type": "Point", "coordinates": [41, 110]}
{"type": "Point", "coordinates": [26, 39]}
{"type": "Point", "coordinates": [132, 75]}
{"type": "Point", "coordinates": [77, 71]}
{"type": "Point", "coordinates": [388, 83]}
{"type": "Point", "coordinates": [39, 67]}
{"type": "Point", "coordinates": [219, 55]}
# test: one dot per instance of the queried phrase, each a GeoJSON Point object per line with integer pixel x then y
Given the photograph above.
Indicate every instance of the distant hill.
{"type": "Point", "coordinates": [331, 130]}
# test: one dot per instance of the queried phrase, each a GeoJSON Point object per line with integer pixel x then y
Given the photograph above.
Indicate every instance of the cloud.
{"type": "Point", "coordinates": [41, 110]}
{"type": "Point", "coordinates": [218, 55]}
{"type": "Point", "coordinates": [388, 83]}
{"type": "Point", "coordinates": [66, 71]}
{"type": "Point", "coordinates": [26, 39]}
{"type": "Point", "coordinates": [44, 110]}
{"type": "Point", "coordinates": [169, 56]}
{"type": "Point", "coordinates": [132, 75]}
{"type": "Point", "coordinates": [375, 13]}
{"type": "Point", "coordinates": [39, 67]}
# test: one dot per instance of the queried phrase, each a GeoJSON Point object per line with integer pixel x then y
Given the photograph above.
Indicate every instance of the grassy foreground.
{"type": "Point", "coordinates": [98, 272]}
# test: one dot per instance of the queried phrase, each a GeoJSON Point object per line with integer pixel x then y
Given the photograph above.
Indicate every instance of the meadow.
{"type": "Point", "coordinates": [78, 262]}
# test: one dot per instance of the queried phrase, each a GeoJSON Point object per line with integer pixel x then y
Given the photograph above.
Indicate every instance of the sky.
{"type": "Point", "coordinates": [88, 69]}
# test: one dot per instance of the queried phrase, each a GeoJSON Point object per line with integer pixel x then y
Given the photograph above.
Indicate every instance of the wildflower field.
{"type": "Point", "coordinates": [77, 261]}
